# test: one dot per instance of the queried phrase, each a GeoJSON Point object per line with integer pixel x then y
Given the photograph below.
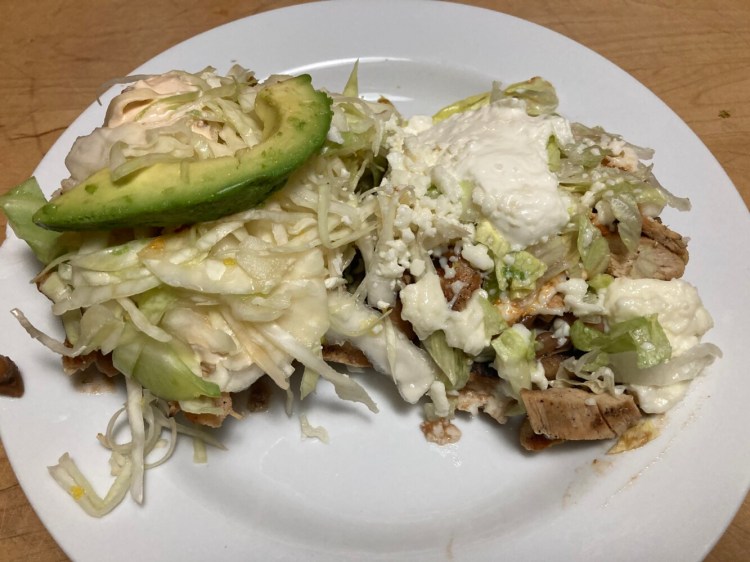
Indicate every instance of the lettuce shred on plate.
{"type": "Point", "coordinates": [493, 257]}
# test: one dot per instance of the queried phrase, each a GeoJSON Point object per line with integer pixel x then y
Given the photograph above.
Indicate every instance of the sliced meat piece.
{"type": "Point", "coordinates": [548, 344]}
{"type": "Point", "coordinates": [574, 414]}
{"type": "Point", "coordinates": [656, 231]}
{"type": "Point", "coordinates": [551, 351]}
{"type": "Point", "coordinates": [345, 354]}
{"type": "Point", "coordinates": [460, 284]}
{"type": "Point", "coordinates": [651, 260]}
{"type": "Point", "coordinates": [654, 261]}
{"type": "Point", "coordinates": [482, 392]}
{"type": "Point", "coordinates": [213, 420]}
{"type": "Point", "coordinates": [551, 364]}
{"type": "Point", "coordinates": [105, 365]}
{"type": "Point", "coordinates": [533, 442]}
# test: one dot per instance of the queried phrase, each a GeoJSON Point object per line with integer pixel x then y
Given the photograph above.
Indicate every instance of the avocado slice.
{"type": "Point", "coordinates": [296, 119]}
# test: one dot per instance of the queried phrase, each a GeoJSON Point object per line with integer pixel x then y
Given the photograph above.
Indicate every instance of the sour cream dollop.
{"type": "Point", "coordinates": [501, 152]}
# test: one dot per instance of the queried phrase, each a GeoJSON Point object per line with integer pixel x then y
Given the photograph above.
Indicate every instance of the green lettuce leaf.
{"type": "Point", "coordinates": [540, 96]}
{"type": "Point", "coordinates": [515, 359]}
{"type": "Point", "coordinates": [453, 363]}
{"type": "Point", "coordinates": [167, 369]}
{"type": "Point", "coordinates": [466, 104]}
{"type": "Point", "coordinates": [19, 205]}
{"type": "Point", "coordinates": [642, 335]}
{"type": "Point", "coordinates": [592, 246]}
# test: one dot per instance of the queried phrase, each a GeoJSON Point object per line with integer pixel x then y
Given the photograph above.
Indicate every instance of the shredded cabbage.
{"type": "Point", "coordinates": [350, 249]}
{"type": "Point", "coordinates": [147, 420]}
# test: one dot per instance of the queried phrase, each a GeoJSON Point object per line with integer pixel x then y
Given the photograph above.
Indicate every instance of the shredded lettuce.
{"type": "Point", "coordinates": [129, 461]}
{"type": "Point", "coordinates": [170, 117]}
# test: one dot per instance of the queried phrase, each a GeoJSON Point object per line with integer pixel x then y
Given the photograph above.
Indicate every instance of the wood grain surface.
{"type": "Point", "coordinates": [56, 54]}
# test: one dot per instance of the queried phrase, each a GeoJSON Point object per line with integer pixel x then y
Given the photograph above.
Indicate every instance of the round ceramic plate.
{"type": "Point", "coordinates": [379, 490]}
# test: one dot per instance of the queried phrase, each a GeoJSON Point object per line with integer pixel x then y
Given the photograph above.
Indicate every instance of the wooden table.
{"type": "Point", "coordinates": [55, 56]}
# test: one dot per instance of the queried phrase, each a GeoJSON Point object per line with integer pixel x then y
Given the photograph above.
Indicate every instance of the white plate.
{"type": "Point", "coordinates": [379, 491]}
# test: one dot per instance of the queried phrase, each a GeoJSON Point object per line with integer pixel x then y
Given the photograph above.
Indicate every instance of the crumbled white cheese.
{"type": "Point", "coordinates": [502, 152]}
{"type": "Point", "coordinates": [478, 256]}
{"type": "Point", "coordinates": [493, 160]}
{"type": "Point", "coordinates": [577, 300]}
{"type": "Point", "coordinates": [561, 331]}
{"type": "Point", "coordinates": [623, 156]}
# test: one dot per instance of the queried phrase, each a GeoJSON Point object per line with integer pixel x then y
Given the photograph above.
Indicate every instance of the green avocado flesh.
{"type": "Point", "coordinates": [296, 119]}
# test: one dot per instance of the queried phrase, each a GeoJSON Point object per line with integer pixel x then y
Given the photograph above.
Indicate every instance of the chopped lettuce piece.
{"type": "Point", "coordinates": [19, 205]}
{"type": "Point", "coordinates": [166, 369]}
{"type": "Point", "coordinates": [540, 96]}
{"type": "Point", "coordinates": [600, 281]}
{"type": "Point", "coordinates": [626, 211]}
{"type": "Point", "coordinates": [308, 383]}
{"type": "Point", "coordinates": [494, 323]}
{"type": "Point", "coordinates": [351, 89]}
{"type": "Point", "coordinates": [592, 246]}
{"type": "Point", "coordinates": [643, 335]}
{"type": "Point", "coordinates": [515, 359]}
{"type": "Point", "coordinates": [489, 236]}
{"type": "Point", "coordinates": [466, 104]}
{"type": "Point", "coordinates": [684, 367]}
{"type": "Point", "coordinates": [453, 363]}
{"type": "Point", "coordinates": [553, 154]}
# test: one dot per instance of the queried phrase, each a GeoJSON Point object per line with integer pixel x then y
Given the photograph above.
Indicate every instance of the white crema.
{"type": "Point", "coordinates": [502, 152]}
